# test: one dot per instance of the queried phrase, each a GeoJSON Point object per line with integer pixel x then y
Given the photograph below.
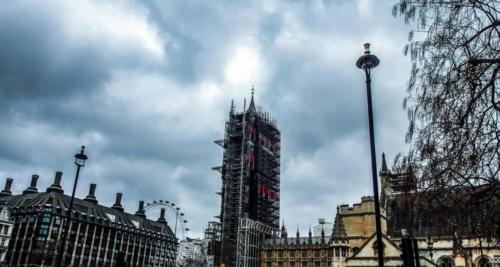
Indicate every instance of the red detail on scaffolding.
{"type": "Point", "coordinates": [266, 192]}
{"type": "Point", "coordinates": [251, 159]}
{"type": "Point", "coordinates": [251, 132]}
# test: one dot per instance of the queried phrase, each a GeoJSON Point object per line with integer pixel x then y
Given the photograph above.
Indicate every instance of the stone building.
{"type": "Point", "coordinates": [308, 251]}
{"type": "Point", "coordinates": [98, 235]}
{"type": "Point", "coordinates": [359, 221]}
{"type": "Point", "coordinates": [437, 246]}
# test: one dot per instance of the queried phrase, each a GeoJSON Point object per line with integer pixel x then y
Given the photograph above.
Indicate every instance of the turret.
{"type": "Point", "coordinates": [56, 186]}
{"type": "Point", "coordinates": [310, 239]}
{"type": "Point", "coordinates": [251, 107]}
{"type": "Point", "coordinates": [118, 203]}
{"type": "Point", "coordinates": [338, 231]}
{"type": "Point", "coordinates": [162, 218]}
{"type": "Point", "coordinates": [140, 211]}
{"type": "Point", "coordinates": [32, 188]}
{"type": "Point", "coordinates": [283, 230]}
{"type": "Point", "coordinates": [6, 191]}
{"type": "Point", "coordinates": [91, 196]}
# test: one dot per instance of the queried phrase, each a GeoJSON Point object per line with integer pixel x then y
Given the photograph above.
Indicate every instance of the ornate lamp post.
{"type": "Point", "coordinates": [80, 162]}
{"type": "Point", "coordinates": [368, 62]}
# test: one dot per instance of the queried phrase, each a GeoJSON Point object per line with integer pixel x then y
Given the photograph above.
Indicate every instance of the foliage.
{"type": "Point", "coordinates": [453, 106]}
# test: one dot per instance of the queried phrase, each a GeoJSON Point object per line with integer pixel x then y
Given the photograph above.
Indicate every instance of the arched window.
{"type": "Point", "coordinates": [483, 262]}
{"type": "Point", "coordinates": [446, 261]}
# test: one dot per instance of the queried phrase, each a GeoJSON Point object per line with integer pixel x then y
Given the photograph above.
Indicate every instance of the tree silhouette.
{"type": "Point", "coordinates": [453, 107]}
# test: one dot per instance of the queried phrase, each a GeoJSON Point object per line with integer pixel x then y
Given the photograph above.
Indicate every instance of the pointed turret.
{"type": "Point", "coordinates": [251, 107]}
{"type": "Point", "coordinates": [322, 235]}
{"type": "Point", "coordinates": [338, 231]}
{"type": "Point", "coordinates": [284, 234]}
{"type": "Point", "coordinates": [384, 169]}
{"type": "Point", "coordinates": [310, 239]}
{"type": "Point", "coordinates": [297, 234]}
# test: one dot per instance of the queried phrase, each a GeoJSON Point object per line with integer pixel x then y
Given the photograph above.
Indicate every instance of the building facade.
{"type": "Point", "coordinates": [98, 235]}
{"type": "Point", "coordinates": [6, 226]}
{"type": "Point", "coordinates": [250, 176]}
{"type": "Point", "coordinates": [311, 251]}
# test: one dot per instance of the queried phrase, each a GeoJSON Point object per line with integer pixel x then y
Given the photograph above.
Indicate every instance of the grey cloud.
{"type": "Point", "coordinates": [54, 96]}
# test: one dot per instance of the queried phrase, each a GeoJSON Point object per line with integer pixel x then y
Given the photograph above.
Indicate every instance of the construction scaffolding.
{"type": "Point", "coordinates": [250, 235]}
{"type": "Point", "coordinates": [250, 175]}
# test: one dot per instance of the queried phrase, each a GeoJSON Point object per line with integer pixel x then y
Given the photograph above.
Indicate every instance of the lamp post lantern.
{"type": "Point", "coordinates": [80, 159]}
{"type": "Point", "coordinates": [368, 62]}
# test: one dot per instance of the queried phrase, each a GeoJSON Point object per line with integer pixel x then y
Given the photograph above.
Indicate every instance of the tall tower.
{"type": "Point", "coordinates": [250, 175]}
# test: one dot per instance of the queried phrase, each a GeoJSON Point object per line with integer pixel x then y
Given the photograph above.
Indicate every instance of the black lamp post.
{"type": "Point", "coordinates": [368, 62]}
{"type": "Point", "coordinates": [80, 162]}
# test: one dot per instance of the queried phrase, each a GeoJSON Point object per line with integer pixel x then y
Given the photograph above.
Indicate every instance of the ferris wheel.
{"type": "Point", "coordinates": [176, 218]}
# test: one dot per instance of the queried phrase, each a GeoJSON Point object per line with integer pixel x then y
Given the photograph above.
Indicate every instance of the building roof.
{"type": "Point", "coordinates": [292, 240]}
{"type": "Point", "coordinates": [89, 209]}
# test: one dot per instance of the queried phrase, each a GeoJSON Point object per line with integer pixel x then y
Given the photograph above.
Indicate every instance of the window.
{"type": "Point", "coordinates": [484, 262]}
{"type": "Point", "coordinates": [445, 261]}
{"type": "Point", "coordinates": [316, 253]}
{"type": "Point", "coordinates": [5, 229]}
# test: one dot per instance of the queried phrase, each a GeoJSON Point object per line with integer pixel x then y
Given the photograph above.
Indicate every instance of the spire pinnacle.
{"type": "Point", "coordinates": [384, 164]}
{"type": "Point", "coordinates": [252, 103]}
{"type": "Point", "coordinates": [338, 231]}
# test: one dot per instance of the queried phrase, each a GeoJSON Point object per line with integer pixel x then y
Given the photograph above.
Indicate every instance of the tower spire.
{"type": "Point", "coordinates": [384, 164]}
{"type": "Point", "coordinates": [252, 103]}
{"type": "Point", "coordinates": [338, 231]}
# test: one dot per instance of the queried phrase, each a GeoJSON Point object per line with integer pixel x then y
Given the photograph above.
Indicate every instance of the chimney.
{"type": "Point", "coordinates": [32, 188]}
{"type": "Point", "coordinates": [118, 203]}
{"type": "Point", "coordinates": [140, 212]}
{"type": "Point", "coordinates": [6, 191]}
{"type": "Point", "coordinates": [162, 216]}
{"type": "Point", "coordinates": [91, 197]}
{"type": "Point", "coordinates": [56, 186]}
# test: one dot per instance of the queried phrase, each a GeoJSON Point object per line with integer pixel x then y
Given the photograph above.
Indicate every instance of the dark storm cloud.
{"type": "Point", "coordinates": [147, 87]}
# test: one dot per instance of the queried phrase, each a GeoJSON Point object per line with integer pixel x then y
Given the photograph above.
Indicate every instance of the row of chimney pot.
{"type": "Point", "coordinates": [56, 187]}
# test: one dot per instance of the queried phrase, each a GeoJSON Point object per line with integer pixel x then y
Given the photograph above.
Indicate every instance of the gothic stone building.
{"type": "Point", "coordinates": [98, 234]}
{"type": "Point", "coordinates": [308, 251]}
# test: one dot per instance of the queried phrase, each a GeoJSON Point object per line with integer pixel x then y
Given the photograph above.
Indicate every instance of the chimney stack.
{"type": "Point", "coordinates": [162, 216]}
{"type": "Point", "coordinates": [140, 212]}
{"type": "Point", "coordinates": [91, 197]}
{"type": "Point", "coordinates": [6, 191]}
{"type": "Point", "coordinates": [32, 188]}
{"type": "Point", "coordinates": [56, 186]}
{"type": "Point", "coordinates": [118, 203]}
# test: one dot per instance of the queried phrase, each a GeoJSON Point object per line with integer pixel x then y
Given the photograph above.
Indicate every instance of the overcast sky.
{"type": "Point", "coordinates": [147, 87]}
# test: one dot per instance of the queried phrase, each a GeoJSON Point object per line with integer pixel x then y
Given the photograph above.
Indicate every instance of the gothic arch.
{"type": "Point", "coordinates": [483, 261]}
{"type": "Point", "coordinates": [446, 261]}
